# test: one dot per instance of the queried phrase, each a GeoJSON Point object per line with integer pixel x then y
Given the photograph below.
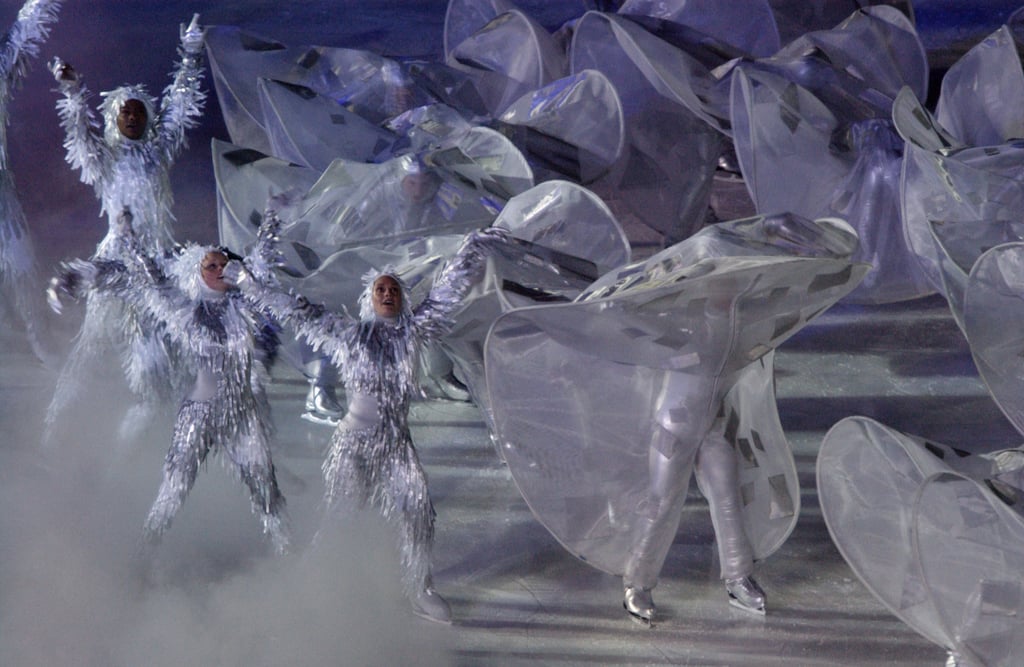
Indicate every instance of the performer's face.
{"type": "Point", "coordinates": [419, 188]}
{"type": "Point", "coordinates": [387, 297]}
{"type": "Point", "coordinates": [213, 271]}
{"type": "Point", "coordinates": [131, 119]}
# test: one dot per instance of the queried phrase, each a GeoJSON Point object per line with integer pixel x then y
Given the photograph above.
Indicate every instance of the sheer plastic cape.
{"type": "Point", "coordinates": [920, 525]}
{"type": "Point", "coordinates": [240, 59]}
{"type": "Point", "coordinates": [819, 111]}
{"type": "Point", "coordinates": [573, 386]}
{"type": "Point", "coordinates": [563, 237]}
{"type": "Point", "coordinates": [960, 198]}
{"type": "Point", "coordinates": [663, 177]}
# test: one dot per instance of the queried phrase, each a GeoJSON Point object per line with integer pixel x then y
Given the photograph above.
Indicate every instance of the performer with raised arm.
{"type": "Point", "coordinates": [17, 257]}
{"type": "Point", "coordinates": [372, 458]}
{"type": "Point", "coordinates": [217, 334]}
{"type": "Point", "coordinates": [127, 160]}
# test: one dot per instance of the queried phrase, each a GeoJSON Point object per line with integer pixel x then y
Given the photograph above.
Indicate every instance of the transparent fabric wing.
{"type": "Point", "coordinates": [563, 236]}
{"type": "Point", "coordinates": [993, 313]}
{"type": "Point", "coordinates": [663, 179]}
{"type": "Point", "coordinates": [310, 129]}
{"type": "Point", "coordinates": [844, 167]}
{"type": "Point", "coordinates": [574, 388]}
{"type": "Point", "coordinates": [970, 542]}
{"type": "Point", "coordinates": [748, 25]}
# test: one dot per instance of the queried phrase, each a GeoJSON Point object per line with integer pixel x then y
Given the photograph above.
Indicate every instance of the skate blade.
{"type": "Point", "coordinates": [638, 619]}
{"type": "Point", "coordinates": [750, 610]}
{"type": "Point", "coordinates": [318, 419]}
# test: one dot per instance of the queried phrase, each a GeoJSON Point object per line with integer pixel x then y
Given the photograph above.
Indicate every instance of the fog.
{"type": "Point", "coordinates": [72, 591]}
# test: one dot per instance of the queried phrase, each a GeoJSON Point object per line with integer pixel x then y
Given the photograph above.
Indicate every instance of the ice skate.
{"type": "Point", "coordinates": [322, 406]}
{"type": "Point", "coordinates": [640, 605]}
{"type": "Point", "coordinates": [428, 604]}
{"type": "Point", "coordinates": [745, 594]}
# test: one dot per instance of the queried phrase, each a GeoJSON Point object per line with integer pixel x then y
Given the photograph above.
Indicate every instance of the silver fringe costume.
{"type": "Point", "coordinates": [372, 459]}
{"type": "Point", "coordinates": [132, 174]}
{"type": "Point", "coordinates": [18, 272]}
{"type": "Point", "coordinates": [217, 336]}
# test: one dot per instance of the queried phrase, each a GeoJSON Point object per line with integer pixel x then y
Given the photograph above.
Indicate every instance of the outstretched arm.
{"type": "Point", "coordinates": [182, 101]}
{"type": "Point", "coordinates": [78, 277]}
{"type": "Point", "coordinates": [321, 327]}
{"type": "Point", "coordinates": [83, 137]}
{"type": "Point", "coordinates": [432, 318]}
{"type": "Point", "coordinates": [25, 35]}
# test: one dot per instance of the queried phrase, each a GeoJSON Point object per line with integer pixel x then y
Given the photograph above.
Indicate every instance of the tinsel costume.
{"type": "Point", "coordinates": [220, 339]}
{"type": "Point", "coordinates": [133, 174]}
{"type": "Point", "coordinates": [17, 258]}
{"type": "Point", "coordinates": [372, 459]}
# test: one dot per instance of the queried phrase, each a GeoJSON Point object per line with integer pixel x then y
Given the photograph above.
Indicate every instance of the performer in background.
{"type": "Point", "coordinates": [18, 272]}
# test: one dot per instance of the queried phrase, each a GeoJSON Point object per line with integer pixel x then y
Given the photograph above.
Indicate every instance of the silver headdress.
{"type": "Point", "coordinates": [113, 100]}
{"type": "Point", "coordinates": [366, 311]}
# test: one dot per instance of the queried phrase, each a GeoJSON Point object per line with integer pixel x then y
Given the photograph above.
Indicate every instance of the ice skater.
{"type": "Point", "coordinates": [217, 333]}
{"type": "Point", "coordinates": [127, 161]}
{"type": "Point", "coordinates": [18, 272]}
{"type": "Point", "coordinates": [372, 459]}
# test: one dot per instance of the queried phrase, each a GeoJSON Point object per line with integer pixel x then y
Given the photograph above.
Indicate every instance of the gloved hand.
{"type": "Point", "coordinates": [235, 274]}
{"type": "Point", "coordinates": [192, 36]}
{"type": "Point", "coordinates": [64, 74]}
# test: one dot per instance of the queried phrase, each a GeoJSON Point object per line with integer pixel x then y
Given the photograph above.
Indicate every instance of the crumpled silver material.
{"type": "Point", "coordinates": [131, 174]}
{"type": "Point", "coordinates": [225, 411]}
{"type": "Point", "coordinates": [18, 270]}
{"type": "Point", "coordinates": [935, 534]}
{"type": "Point", "coordinates": [581, 392]}
{"type": "Point", "coordinates": [372, 459]}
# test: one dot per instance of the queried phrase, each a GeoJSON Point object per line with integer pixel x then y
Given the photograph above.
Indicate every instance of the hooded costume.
{"type": "Point", "coordinates": [218, 338]}
{"type": "Point", "coordinates": [128, 174]}
{"type": "Point", "coordinates": [372, 459]}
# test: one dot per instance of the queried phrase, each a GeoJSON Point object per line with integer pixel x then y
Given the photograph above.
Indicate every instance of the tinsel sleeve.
{"type": "Point", "coordinates": [323, 329]}
{"type": "Point", "coordinates": [432, 318]}
{"type": "Point", "coordinates": [182, 102]}
{"type": "Point", "coordinates": [22, 40]}
{"type": "Point", "coordinates": [78, 277]}
{"type": "Point", "coordinates": [83, 136]}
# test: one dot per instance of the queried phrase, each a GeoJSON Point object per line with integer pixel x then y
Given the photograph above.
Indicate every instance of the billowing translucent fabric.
{"type": "Point", "coordinates": [960, 198]}
{"type": "Point", "coordinates": [992, 321]}
{"type": "Point", "coordinates": [311, 129]}
{"type": "Point", "coordinates": [462, 18]}
{"type": "Point", "coordinates": [942, 551]}
{"type": "Point", "coordinates": [663, 178]}
{"type": "Point", "coordinates": [747, 24]}
{"type": "Point", "coordinates": [515, 46]}
{"type": "Point", "coordinates": [578, 390]}
{"type": "Point", "coordinates": [564, 237]}
{"type": "Point", "coordinates": [356, 216]}
{"type": "Point", "coordinates": [797, 18]}
{"type": "Point", "coordinates": [819, 112]}
{"type": "Point", "coordinates": [354, 78]}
